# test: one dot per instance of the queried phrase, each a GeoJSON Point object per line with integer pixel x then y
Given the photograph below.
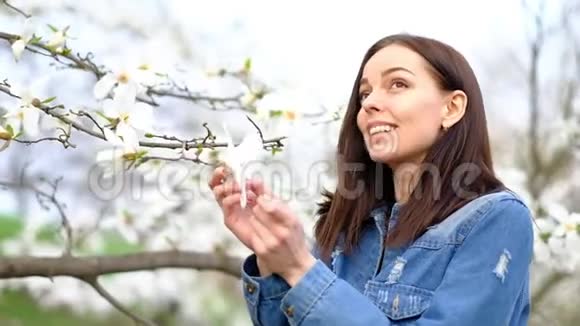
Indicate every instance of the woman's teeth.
{"type": "Point", "coordinates": [379, 129]}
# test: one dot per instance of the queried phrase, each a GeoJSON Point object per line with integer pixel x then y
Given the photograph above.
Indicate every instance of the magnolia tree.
{"type": "Point", "coordinates": [149, 134]}
{"type": "Point", "coordinates": [147, 168]}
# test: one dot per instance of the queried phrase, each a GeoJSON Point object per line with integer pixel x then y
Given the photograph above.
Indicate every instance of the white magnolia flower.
{"type": "Point", "coordinates": [133, 79]}
{"type": "Point", "coordinates": [24, 116]}
{"type": "Point", "coordinates": [124, 107]}
{"type": "Point", "coordinates": [238, 157]}
{"type": "Point", "coordinates": [57, 40]}
{"type": "Point", "coordinates": [129, 143]}
{"type": "Point", "coordinates": [561, 232]}
{"type": "Point", "coordinates": [568, 224]}
{"type": "Point", "coordinates": [122, 150]}
{"type": "Point", "coordinates": [26, 35]}
{"type": "Point", "coordinates": [130, 116]}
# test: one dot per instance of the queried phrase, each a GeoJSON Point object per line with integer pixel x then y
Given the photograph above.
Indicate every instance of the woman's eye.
{"type": "Point", "coordinates": [398, 84]}
{"type": "Point", "coordinates": [362, 96]}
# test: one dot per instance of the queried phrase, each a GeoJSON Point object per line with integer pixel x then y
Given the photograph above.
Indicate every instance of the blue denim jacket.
{"type": "Point", "coordinates": [471, 269]}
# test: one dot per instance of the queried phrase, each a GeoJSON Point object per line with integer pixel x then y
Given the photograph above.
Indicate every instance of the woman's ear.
{"type": "Point", "coordinates": [454, 110]}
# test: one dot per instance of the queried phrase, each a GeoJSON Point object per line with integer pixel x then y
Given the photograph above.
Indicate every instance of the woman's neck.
{"type": "Point", "coordinates": [405, 177]}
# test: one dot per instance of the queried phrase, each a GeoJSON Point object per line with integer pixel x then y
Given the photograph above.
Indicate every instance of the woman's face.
{"type": "Point", "coordinates": [402, 106]}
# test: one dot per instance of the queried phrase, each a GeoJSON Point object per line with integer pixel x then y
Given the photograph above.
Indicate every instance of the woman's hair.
{"type": "Point", "coordinates": [454, 158]}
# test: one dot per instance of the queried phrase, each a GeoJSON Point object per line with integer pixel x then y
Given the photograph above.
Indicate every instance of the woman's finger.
{"type": "Point", "coordinates": [265, 239]}
{"type": "Point", "coordinates": [217, 177]}
{"type": "Point", "coordinates": [276, 210]}
{"type": "Point", "coordinates": [230, 201]}
{"type": "Point", "coordinates": [259, 187]}
{"type": "Point", "coordinates": [269, 221]}
{"type": "Point", "coordinates": [223, 190]}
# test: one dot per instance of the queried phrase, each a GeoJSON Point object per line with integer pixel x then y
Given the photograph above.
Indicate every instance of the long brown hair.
{"type": "Point", "coordinates": [464, 147]}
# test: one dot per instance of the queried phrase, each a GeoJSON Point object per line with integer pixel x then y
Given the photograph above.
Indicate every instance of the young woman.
{"type": "Point", "coordinates": [419, 230]}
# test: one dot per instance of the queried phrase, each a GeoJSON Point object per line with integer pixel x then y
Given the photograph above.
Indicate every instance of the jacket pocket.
{"type": "Point", "coordinates": [399, 301]}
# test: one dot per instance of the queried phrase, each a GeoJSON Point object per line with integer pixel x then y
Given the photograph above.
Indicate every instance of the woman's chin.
{"type": "Point", "coordinates": [386, 157]}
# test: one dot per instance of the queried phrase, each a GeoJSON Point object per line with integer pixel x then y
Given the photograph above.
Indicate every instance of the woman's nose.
{"type": "Point", "coordinates": [371, 104]}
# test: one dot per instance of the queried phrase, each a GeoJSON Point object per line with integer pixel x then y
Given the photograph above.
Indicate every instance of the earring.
{"type": "Point", "coordinates": [444, 128]}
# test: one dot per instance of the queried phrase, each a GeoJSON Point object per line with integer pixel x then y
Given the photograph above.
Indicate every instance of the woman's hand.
{"type": "Point", "coordinates": [227, 193]}
{"type": "Point", "coordinates": [266, 226]}
{"type": "Point", "coordinates": [278, 238]}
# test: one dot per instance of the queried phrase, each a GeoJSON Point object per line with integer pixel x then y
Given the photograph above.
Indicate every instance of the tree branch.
{"type": "Point", "coordinates": [86, 63]}
{"type": "Point", "coordinates": [93, 266]}
{"type": "Point", "coordinates": [63, 138]}
{"type": "Point", "coordinates": [75, 61]}
{"type": "Point", "coordinates": [5, 2]}
{"type": "Point", "coordinates": [176, 143]}
{"type": "Point", "coordinates": [92, 281]}
{"type": "Point", "coordinates": [51, 197]}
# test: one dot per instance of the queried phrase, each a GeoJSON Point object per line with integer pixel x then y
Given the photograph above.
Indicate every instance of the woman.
{"type": "Point", "coordinates": [419, 230]}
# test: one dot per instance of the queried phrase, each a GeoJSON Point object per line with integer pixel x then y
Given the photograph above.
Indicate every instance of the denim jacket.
{"type": "Point", "coordinates": [471, 269]}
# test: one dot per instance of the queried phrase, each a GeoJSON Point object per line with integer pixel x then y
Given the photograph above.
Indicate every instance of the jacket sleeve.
{"type": "Point", "coordinates": [263, 295]}
{"type": "Point", "coordinates": [480, 287]}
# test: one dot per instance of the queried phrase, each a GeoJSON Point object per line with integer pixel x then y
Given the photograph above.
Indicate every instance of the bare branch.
{"type": "Point", "coordinates": [82, 113]}
{"type": "Point", "coordinates": [92, 281]}
{"type": "Point", "coordinates": [258, 128]}
{"type": "Point", "coordinates": [51, 198]}
{"type": "Point", "coordinates": [5, 2]}
{"type": "Point", "coordinates": [63, 138]}
{"type": "Point", "coordinates": [77, 61]}
{"type": "Point", "coordinates": [93, 266]}
{"type": "Point", "coordinates": [225, 103]}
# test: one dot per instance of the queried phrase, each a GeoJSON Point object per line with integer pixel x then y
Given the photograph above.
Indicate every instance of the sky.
{"type": "Point", "coordinates": [316, 46]}
{"type": "Point", "coordinates": [309, 51]}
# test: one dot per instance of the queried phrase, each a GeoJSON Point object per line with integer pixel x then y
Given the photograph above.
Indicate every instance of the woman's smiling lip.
{"type": "Point", "coordinates": [377, 123]}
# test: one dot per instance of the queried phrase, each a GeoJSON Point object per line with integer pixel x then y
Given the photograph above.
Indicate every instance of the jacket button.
{"type": "Point", "coordinates": [250, 288]}
{"type": "Point", "coordinates": [290, 311]}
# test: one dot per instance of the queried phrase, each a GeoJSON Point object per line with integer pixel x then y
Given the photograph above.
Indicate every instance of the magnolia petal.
{"type": "Point", "coordinates": [545, 225]}
{"type": "Point", "coordinates": [146, 77]}
{"type": "Point", "coordinates": [30, 121]}
{"type": "Point", "coordinates": [111, 108]}
{"type": "Point", "coordinates": [559, 231]}
{"type": "Point", "coordinates": [104, 86]}
{"type": "Point", "coordinates": [250, 147]}
{"type": "Point", "coordinates": [141, 117]}
{"type": "Point", "coordinates": [18, 48]}
{"type": "Point", "coordinates": [112, 138]}
{"type": "Point", "coordinates": [111, 162]}
{"type": "Point", "coordinates": [14, 121]}
{"type": "Point", "coordinates": [29, 28]}
{"type": "Point", "coordinates": [130, 138]}
{"type": "Point", "coordinates": [557, 211]}
{"type": "Point", "coordinates": [57, 40]}
{"type": "Point", "coordinates": [108, 155]}
{"type": "Point", "coordinates": [126, 93]}
{"type": "Point", "coordinates": [26, 97]}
